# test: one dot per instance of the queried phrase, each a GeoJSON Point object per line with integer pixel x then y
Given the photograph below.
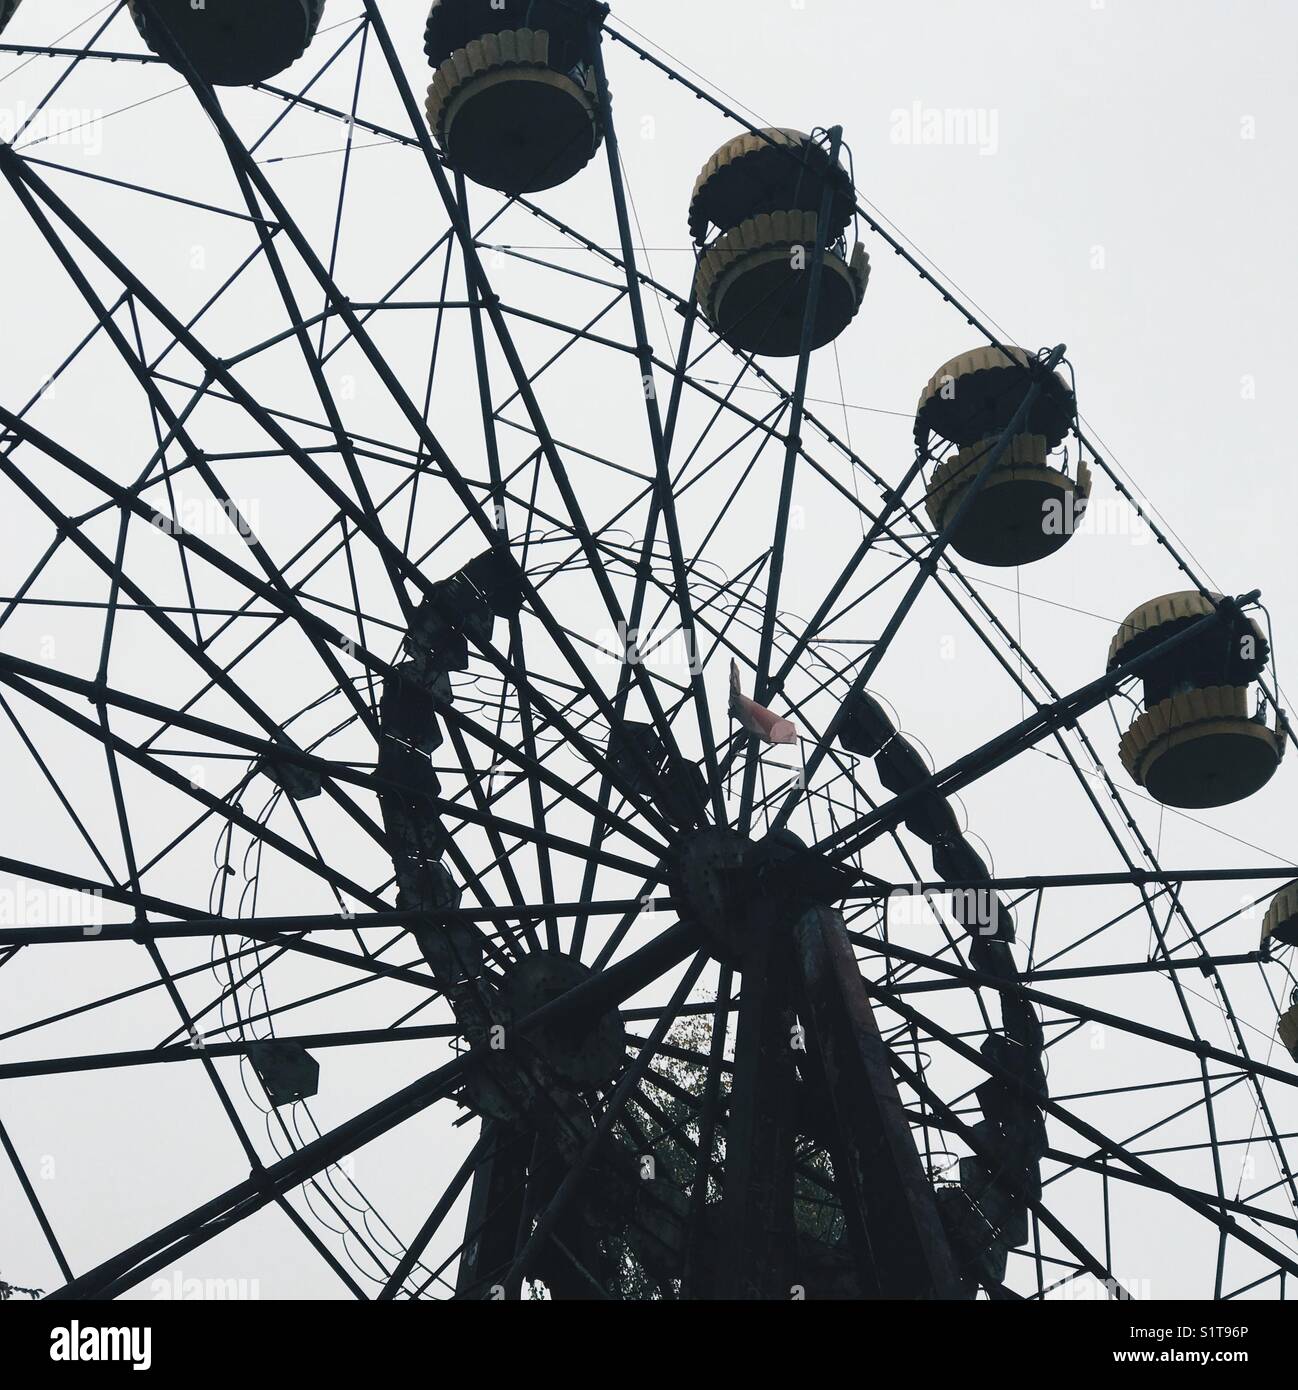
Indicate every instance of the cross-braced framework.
{"type": "Point", "coordinates": [365, 650]}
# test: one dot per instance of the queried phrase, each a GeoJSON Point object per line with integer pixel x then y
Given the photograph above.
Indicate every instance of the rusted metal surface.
{"type": "Point", "coordinates": [495, 1208]}
{"type": "Point", "coordinates": [892, 1218]}
{"type": "Point", "coordinates": [757, 1243]}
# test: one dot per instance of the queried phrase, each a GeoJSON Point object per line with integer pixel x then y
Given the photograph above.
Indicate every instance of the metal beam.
{"type": "Point", "coordinates": [897, 1236]}
{"type": "Point", "coordinates": [758, 1234]}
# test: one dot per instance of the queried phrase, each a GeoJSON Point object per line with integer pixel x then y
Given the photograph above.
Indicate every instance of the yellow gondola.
{"type": "Point", "coordinates": [1025, 510]}
{"type": "Point", "coordinates": [976, 395]}
{"type": "Point", "coordinates": [763, 193]}
{"type": "Point", "coordinates": [1196, 744]}
{"type": "Point", "coordinates": [1281, 920]}
{"type": "Point", "coordinates": [1027, 507]}
{"type": "Point", "coordinates": [1289, 1031]}
{"type": "Point", "coordinates": [513, 101]}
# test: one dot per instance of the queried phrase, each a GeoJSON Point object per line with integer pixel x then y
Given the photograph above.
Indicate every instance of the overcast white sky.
{"type": "Point", "coordinates": [1113, 174]}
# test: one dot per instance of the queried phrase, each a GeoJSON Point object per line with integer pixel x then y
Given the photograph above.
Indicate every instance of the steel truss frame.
{"type": "Point", "coordinates": [522, 1211]}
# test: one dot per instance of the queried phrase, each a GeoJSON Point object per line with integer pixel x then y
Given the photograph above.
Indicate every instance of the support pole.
{"type": "Point", "coordinates": [495, 1205]}
{"type": "Point", "coordinates": [893, 1224]}
{"type": "Point", "coordinates": [793, 447]}
{"type": "Point", "coordinates": [758, 1236]}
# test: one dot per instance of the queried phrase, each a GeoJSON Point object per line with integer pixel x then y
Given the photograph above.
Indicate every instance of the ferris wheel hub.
{"type": "Point", "coordinates": [733, 887]}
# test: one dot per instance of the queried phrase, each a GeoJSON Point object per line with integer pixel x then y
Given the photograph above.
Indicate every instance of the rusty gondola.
{"type": "Point", "coordinates": [1028, 506]}
{"type": "Point", "coordinates": [229, 43]}
{"type": "Point", "coordinates": [1199, 742]}
{"type": "Point", "coordinates": [513, 101]}
{"type": "Point", "coordinates": [761, 197]}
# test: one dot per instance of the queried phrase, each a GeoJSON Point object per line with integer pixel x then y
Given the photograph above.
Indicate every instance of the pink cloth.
{"type": "Point", "coordinates": [757, 719]}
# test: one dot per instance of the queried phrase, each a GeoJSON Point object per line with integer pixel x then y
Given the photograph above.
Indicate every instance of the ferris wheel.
{"type": "Point", "coordinates": [497, 814]}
